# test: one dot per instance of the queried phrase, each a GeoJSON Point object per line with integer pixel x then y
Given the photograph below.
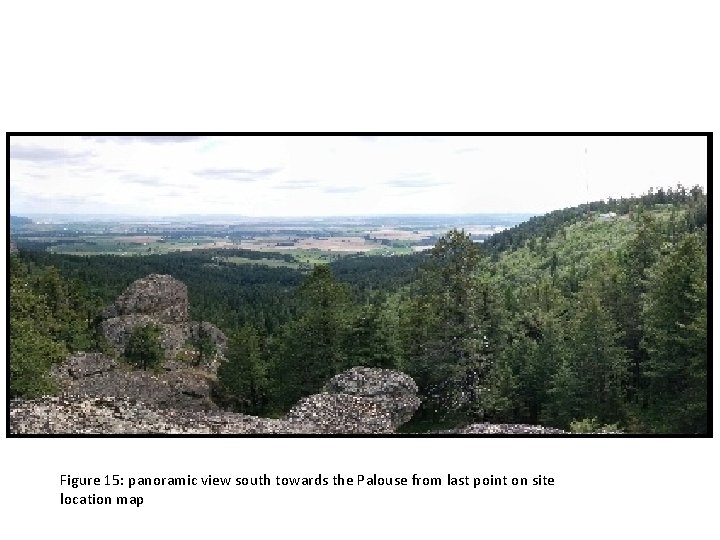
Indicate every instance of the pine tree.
{"type": "Point", "coordinates": [243, 377]}
{"type": "Point", "coordinates": [590, 383]}
{"type": "Point", "coordinates": [312, 348]}
{"type": "Point", "coordinates": [640, 254]}
{"type": "Point", "coordinates": [143, 348]}
{"type": "Point", "coordinates": [450, 325]}
{"type": "Point", "coordinates": [674, 319]}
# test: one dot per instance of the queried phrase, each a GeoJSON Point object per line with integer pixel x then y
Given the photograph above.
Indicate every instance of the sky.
{"type": "Point", "coordinates": [339, 175]}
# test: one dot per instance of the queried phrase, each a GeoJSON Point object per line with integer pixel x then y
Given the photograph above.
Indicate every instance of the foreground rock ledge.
{"type": "Point", "coordinates": [126, 416]}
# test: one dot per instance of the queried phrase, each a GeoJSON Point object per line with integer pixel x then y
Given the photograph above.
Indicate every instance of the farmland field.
{"type": "Point", "coordinates": [293, 243]}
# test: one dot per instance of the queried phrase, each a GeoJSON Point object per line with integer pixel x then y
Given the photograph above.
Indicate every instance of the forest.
{"type": "Point", "coordinates": [585, 318]}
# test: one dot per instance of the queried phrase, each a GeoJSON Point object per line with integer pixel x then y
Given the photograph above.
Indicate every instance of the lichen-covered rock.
{"type": "Point", "coordinates": [507, 429]}
{"type": "Point", "coordinates": [162, 297]}
{"type": "Point", "coordinates": [161, 301]}
{"type": "Point", "coordinates": [80, 365]}
{"type": "Point", "coordinates": [122, 416]}
{"type": "Point", "coordinates": [372, 382]}
{"type": "Point", "coordinates": [360, 400]}
{"type": "Point", "coordinates": [342, 413]}
{"type": "Point", "coordinates": [98, 375]}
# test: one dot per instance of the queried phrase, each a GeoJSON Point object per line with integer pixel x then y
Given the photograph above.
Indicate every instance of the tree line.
{"type": "Point", "coordinates": [577, 319]}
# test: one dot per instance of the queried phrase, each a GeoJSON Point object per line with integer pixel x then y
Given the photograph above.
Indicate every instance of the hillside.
{"type": "Point", "coordinates": [586, 317]}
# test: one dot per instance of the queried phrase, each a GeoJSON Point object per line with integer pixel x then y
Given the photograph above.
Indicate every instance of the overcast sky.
{"type": "Point", "coordinates": [345, 175]}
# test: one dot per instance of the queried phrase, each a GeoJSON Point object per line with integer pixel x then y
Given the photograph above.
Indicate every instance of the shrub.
{"type": "Point", "coordinates": [143, 349]}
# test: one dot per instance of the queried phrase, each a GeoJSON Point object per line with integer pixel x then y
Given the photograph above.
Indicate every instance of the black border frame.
{"type": "Point", "coordinates": [8, 135]}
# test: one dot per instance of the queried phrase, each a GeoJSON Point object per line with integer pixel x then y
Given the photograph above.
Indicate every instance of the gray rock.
{"type": "Point", "coordinates": [161, 301]}
{"type": "Point", "coordinates": [160, 296]}
{"type": "Point", "coordinates": [372, 382]}
{"type": "Point", "coordinates": [344, 413]}
{"type": "Point", "coordinates": [80, 365]}
{"type": "Point", "coordinates": [360, 400]}
{"type": "Point", "coordinates": [509, 429]}
{"type": "Point", "coordinates": [70, 414]}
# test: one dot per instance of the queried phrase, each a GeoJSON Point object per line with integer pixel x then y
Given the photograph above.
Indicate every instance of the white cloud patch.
{"type": "Point", "coordinates": [343, 175]}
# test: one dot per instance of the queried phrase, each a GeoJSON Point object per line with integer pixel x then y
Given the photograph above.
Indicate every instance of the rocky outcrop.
{"type": "Point", "coordinates": [13, 247]}
{"type": "Point", "coordinates": [360, 400]}
{"type": "Point", "coordinates": [125, 416]}
{"type": "Point", "coordinates": [79, 366]}
{"type": "Point", "coordinates": [372, 382]}
{"type": "Point", "coordinates": [97, 375]}
{"type": "Point", "coordinates": [162, 301]}
{"type": "Point", "coordinates": [102, 396]}
{"type": "Point", "coordinates": [504, 429]}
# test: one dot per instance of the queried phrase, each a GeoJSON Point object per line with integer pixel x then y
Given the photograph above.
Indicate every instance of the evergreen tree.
{"type": "Point", "coordinates": [143, 348]}
{"type": "Point", "coordinates": [589, 384]}
{"type": "Point", "coordinates": [243, 377]}
{"type": "Point", "coordinates": [451, 325]}
{"type": "Point", "coordinates": [674, 319]}
{"type": "Point", "coordinates": [311, 348]}
{"type": "Point", "coordinates": [35, 333]}
{"type": "Point", "coordinates": [641, 253]}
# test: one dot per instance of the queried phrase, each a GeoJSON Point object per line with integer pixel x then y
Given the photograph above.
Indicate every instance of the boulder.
{"type": "Point", "coordinates": [161, 301]}
{"type": "Point", "coordinates": [162, 297]}
{"type": "Point", "coordinates": [360, 400]}
{"type": "Point", "coordinates": [372, 382]}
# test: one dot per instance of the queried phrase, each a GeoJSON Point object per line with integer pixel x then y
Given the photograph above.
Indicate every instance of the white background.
{"type": "Point", "coordinates": [528, 66]}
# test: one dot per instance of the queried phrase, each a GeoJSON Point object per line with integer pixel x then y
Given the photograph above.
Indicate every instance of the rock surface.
{"type": "Point", "coordinates": [97, 375]}
{"type": "Point", "coordinates": [162, 301]}
{"type": "Point", "coordinates": [104, 397]}
{"type": "Point", "coordinates": [123, 416]}
{"type": "Point", "coordinates": [507, 429]}
{"type": "Point", "coordinates": [372, 382]}
{"type": "Point", "coordinates": [360, 400]}
{"type": "Point", "coordinates": [160, 296]}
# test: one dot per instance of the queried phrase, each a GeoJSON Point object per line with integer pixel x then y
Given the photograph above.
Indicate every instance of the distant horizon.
{"type": "Point", "coordinates": [333, 176]}
{"type": "Point", "coordinates": [240, 216]}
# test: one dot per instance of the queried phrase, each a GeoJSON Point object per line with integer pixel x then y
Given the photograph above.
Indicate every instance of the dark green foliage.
{"type": "Point", "coordinates": [243, 383]}
{"type": "Point", "coordinates": [591, 381]}
{"type": "Point", "coordinates": [370, 340]}
{"type": "Point", "coordinates": [674, 315]}
{"type": "Point", "coordinates": [46, 321]}
{"type": "Point", "coordinates": [311, 349]}
{"type": "Point", "coordinates": [143, 348]}
{"type": "Point", "coordinates": [449, 330]}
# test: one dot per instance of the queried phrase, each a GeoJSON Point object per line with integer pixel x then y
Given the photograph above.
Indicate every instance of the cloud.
{"type": "Point", "coordinates": [238, 174]}
{"type": "Point", "coordinates": [143, 180]}
{"type": "Point", "coordinates": [343, 189]}
{"type": "Point", "coordinates": [153, 139]}
{"type": "Point", "coordinates": [414, 181]}
{"type": "Point", "coordinates": [296, 184]}
{"type": "Point", "coordinates": [41, 154]}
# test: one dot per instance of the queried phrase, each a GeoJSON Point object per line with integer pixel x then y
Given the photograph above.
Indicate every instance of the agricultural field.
{"type": "Point", "coordinates": [305, 242]}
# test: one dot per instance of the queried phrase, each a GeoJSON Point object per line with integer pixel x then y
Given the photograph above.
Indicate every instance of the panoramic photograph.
{"type": "Point", "coordinates": [392, 285]}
